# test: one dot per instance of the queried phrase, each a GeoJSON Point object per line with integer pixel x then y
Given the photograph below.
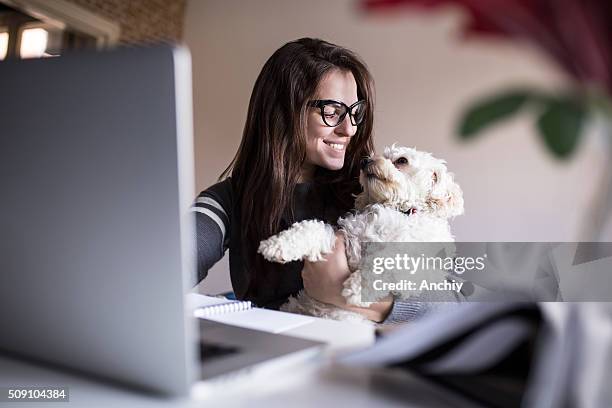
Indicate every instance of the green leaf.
{"type": "Point", "coordinates": [485, 113]}
{"type": "Point", "coordinates": [561, 124]}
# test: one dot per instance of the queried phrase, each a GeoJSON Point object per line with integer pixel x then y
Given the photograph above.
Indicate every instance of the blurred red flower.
{"type": "Point", "coordinates": [577, 34]}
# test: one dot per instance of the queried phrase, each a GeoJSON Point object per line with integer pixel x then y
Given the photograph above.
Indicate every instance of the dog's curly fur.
{"type": "Point", "coordinates": [408, 196]}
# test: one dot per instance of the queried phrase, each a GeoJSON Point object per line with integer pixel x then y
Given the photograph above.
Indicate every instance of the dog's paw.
{"type": "Point", "coordinates": [309, 239]}
{"type": "Point", "coordinates": [352, 290]}
{"type": "Point", "coordinates": [272, 250]}
{"type": "Point", "coordinates": [354, 299]}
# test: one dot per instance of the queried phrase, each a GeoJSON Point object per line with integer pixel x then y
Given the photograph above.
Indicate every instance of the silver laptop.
{"type": "Point", "coordinates": [96, 240]}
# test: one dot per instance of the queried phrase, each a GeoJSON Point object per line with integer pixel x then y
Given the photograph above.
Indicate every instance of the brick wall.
{"type": "Point", "coordinates": [142, 21]}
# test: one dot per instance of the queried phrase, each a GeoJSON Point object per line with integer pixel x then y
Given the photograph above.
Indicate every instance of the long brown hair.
{"type": "Point", "coordinates": [269, 161]}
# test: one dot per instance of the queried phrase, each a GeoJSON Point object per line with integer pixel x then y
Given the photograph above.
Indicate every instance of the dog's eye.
{"type": "Point", "coordinates": [434, 177]}
{"type": "Point", "coordinates": [401, 161]}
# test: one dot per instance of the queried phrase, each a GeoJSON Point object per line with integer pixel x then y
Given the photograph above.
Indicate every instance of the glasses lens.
{"type": "Point", "coordinates": [358, 113]}
{"type": "Point", "coordinates": [333, 113]}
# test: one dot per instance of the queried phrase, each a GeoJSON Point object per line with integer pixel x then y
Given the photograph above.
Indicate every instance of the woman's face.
{"type": "Point", "coordinates": [326, 146]}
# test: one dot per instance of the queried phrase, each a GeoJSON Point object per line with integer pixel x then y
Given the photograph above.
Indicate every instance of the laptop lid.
{"type": "Point", "coordinates": [96, 172]}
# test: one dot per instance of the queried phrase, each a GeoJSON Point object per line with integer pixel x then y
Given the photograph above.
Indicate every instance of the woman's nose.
{"type": "Point", "coordinates": [346, 128]}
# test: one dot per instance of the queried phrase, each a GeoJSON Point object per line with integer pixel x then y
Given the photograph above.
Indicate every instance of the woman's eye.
{"type": "Point", "coordinates": [401, 161]}
{"type": "Point", "coordinates": [331, 111]}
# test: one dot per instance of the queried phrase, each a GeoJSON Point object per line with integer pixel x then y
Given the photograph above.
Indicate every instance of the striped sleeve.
{"type": "Point", "coordinates": [212, 209]}
{"type": "Point", "coordinates": [405, 311]}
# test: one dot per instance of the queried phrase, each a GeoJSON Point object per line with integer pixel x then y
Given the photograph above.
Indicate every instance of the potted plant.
{"type": "Point", "coordinates": [577, 36]}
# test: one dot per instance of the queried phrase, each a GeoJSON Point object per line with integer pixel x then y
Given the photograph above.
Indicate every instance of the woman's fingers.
{"type": "Point", "coordinates": [323, 280]}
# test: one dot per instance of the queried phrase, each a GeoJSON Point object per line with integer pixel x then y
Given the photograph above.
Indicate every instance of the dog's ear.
{"type": "Point", "coordinates": [455, 198]}
{"type": "Point", "coordinates": [361, 201]}
{"type": "Point", "coordinates": [446, 198]}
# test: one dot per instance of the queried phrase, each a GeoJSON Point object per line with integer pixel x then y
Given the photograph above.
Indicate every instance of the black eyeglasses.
{"type": "Point", "coordinates": [334, 112]}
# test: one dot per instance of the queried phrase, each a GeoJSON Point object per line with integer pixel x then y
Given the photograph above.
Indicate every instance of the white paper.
{"type": "Point", "coordinates": [271, 321]}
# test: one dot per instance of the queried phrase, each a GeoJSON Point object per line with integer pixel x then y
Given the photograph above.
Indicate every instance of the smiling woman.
{"type": "Point", "coordinates": [327, 133]}
{"type": "Point", "coordinates": [308, 125]}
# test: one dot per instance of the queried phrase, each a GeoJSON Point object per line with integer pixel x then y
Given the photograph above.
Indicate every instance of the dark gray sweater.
{"type": "Point", "coordinates": [217, 226]}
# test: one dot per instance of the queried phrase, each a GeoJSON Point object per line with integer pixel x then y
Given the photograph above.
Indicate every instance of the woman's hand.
{"type": "Point", "coordinates": [323, 281]}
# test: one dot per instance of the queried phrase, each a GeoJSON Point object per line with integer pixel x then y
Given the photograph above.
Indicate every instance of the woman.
{"type": "Point", "coordinates": [309, 124]}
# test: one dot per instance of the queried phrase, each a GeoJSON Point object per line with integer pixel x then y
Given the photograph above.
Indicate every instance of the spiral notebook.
{"type": "Point", "coordinates": [225, 306]}
{"type": "Point", "coordinates": [206, 306]}
{"type": "Point", "coordinates": [244, 314]}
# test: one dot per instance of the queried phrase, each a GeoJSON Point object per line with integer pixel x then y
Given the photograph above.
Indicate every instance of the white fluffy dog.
{"type": "Point", "coordinates": [408, 196]}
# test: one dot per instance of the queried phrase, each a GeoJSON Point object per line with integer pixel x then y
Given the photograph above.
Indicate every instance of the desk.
{"type": "Point", "coordinates": [339, 336]}
{"type": "Point", "coordinates": [314, 383]}
{"type": "Point", "coordinates": [311, 385]}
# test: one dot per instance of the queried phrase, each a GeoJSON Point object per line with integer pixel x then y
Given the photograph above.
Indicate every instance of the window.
{"type": "Point", "coordinates": [4, 39]}
{"type": "Point", "coordinates": [40, 40]}
{"type": "Point", "coordinates": [33, 42]}
{"type": "Point", "coordinates": [42, 28]}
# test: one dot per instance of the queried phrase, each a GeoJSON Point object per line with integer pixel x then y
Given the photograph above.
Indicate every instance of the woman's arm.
{"type": "Point", "coordinates": [212, 212]}
{"type": "Point", "coordinates": [209, 244]}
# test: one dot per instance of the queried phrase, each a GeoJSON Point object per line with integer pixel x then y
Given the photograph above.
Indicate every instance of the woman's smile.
{"type": "Point", "coordinates": [338, 147]}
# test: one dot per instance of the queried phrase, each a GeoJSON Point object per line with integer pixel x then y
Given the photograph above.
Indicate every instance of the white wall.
{"type": "Point", "coordinates": [514, 190]}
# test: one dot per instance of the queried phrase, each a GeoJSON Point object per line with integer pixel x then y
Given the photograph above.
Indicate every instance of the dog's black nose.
{"type": "Point", "coordinates": [364, 162]}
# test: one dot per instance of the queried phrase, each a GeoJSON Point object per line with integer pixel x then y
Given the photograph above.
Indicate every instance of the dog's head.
{"type": "Point", "coordinates": [408, 180]}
